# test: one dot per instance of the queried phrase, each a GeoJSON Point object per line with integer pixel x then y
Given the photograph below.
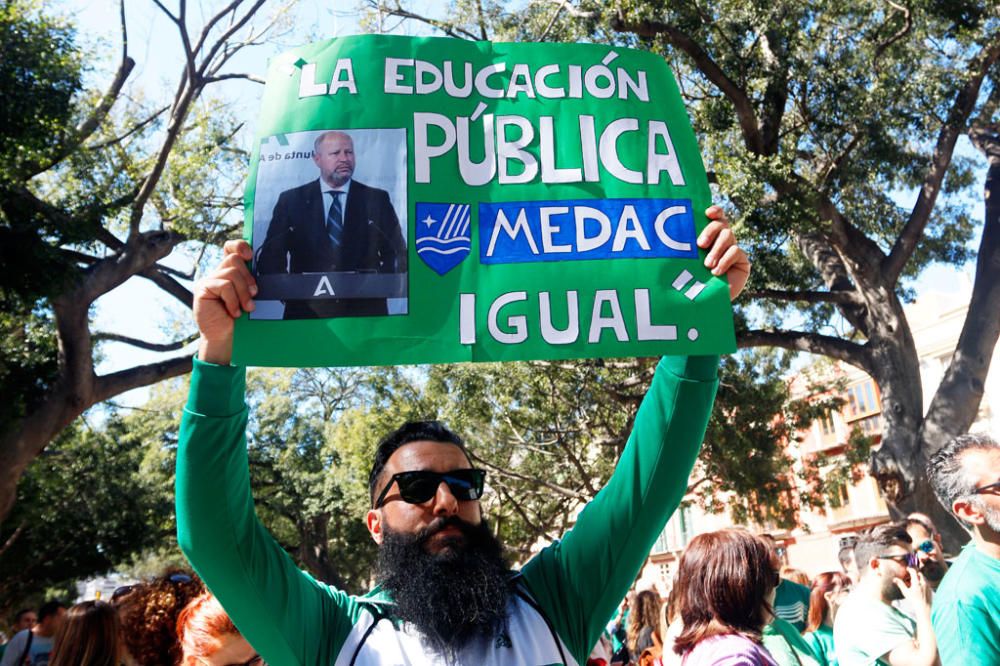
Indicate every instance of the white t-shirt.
{"type": "Point", "coordinates": [865, 631]}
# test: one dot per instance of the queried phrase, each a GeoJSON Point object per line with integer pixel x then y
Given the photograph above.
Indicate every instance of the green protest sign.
{"type": "Point", "coordinates": [423, 200]}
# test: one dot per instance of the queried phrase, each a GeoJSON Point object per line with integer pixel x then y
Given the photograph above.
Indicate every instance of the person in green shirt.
{"type": "Point", "coordinates": [443, 593]}
{"type": "Point", "coordinates": [791, 600]}
{"type": "Point", "coordinates": [829, 589]}
{"type": "Point", "coordinates": [786, 644]}
{"type": "Point", "coordinates": [965, 475]}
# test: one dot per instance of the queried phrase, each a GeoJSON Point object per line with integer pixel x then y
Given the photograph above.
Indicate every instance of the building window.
{"type": "Point", "coordinates": [826, 424]}
{"type": "Point", "coordinates": [863, 399]}
{"type": "Point", "coordinates": [685, 525]}
{"type": "Point", "coordinates": [871, 425]}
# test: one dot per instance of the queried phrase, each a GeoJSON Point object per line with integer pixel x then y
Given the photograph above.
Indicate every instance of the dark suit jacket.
{"type": "Point", "coordinates": [297, 242]}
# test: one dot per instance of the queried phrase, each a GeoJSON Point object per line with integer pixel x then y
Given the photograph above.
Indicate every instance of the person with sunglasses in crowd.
{"type": "Point", "coordinates": [868, 629]}
{"type": "Point", "coordinates": [148, 613]}
{"type": "Point", "coordinates": [927, 548]}
{"type": "Point", "coordinates": [965, 475]}
{"type": "Point", "coordinates": [444, 593]}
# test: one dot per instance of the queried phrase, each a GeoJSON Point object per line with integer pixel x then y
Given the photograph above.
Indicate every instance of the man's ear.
{"type": "Point", "coordinates": [967, 511]}
{"type": "Point", "coordinates": [873, 563]}
{"type": "Point", "coordinates": [374, 523]}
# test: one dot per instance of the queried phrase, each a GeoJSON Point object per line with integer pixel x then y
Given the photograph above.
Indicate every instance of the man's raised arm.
{"type": "Point", "coordinates": [274, 604]}
{"type": "Point", "coordinates": [581, 579]}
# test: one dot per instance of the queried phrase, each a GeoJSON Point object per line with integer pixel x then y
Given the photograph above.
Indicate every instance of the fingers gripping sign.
{"type": "Point", "coordinates": [724, 256]}
{"type": "Point", "coordinates": [220, 298]}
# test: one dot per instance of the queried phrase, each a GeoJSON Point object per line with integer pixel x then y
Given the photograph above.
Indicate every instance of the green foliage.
{"type": "Point", "coordinates": [82, 507]}
{"type": "Point", "coordinates": [745, 466]}
{"type": "Point", "coordinates": [40, 74]}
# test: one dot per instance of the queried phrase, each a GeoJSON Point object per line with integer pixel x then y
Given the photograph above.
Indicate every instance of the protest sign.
{"type": "Point", "coordinates": [423, 200]}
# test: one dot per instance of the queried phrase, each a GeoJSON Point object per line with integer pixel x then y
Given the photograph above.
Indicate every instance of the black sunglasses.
{"type": "Point", "coordinates": [419, 486]}
{"type": "Point", "coordinates": [125, 589]}
{"type": "Point", "coordinates": [907, 560]}
{"type": "Point", "coordinates": [989, 488]}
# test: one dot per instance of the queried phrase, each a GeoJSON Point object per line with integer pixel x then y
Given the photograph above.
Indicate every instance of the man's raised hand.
{"type": "Point", "coordinates": [724, 256]}
{"type": "Point", "coordinates": [220, 298]}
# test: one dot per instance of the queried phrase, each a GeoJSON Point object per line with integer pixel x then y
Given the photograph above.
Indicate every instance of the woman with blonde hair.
{"type": "Point", "coordinates": [209, 638]}
{"type": "Point", "coordinates": [88, 636]}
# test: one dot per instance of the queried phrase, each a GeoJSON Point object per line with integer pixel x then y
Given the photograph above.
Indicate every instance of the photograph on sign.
{"type": "Point", "coordinates": [330, 226]}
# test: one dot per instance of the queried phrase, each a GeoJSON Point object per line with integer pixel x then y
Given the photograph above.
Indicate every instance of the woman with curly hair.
{"type": "Point", "coordinates": [88, 636]}
{"type": "Point", "coordinates": [209, 638]}
{"type": "Point", "coordinates": [148, 613]}
{"type": "Point", "coordinates": [642, 622]}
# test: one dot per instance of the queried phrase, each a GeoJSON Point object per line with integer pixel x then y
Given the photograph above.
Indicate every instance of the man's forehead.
{"type": "Point", "coordinates": [918, 532]}
{"type": "Point", "coordinates": [427, 455]}
{"type": "Point", "coordinates": [336, 142]}
{"type": "Point", "coordinates": [983, 465]}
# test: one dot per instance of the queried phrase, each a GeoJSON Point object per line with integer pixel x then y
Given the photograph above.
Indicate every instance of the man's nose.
{"type": "Point", "coordinates": [445, 503]}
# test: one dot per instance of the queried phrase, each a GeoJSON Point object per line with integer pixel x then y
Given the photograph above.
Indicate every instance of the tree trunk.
{"type": "Point", "coordinates": [314, 550]}
{"type": "Point", "coordinates": [27, 438]}
{"type": "Point", "coordinates": [907, 444]}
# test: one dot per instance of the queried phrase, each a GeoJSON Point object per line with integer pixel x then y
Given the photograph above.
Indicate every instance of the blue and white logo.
{"type": "Point", "coordinates": [442, 236]}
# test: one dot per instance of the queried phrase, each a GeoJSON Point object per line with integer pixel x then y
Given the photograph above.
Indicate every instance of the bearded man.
{"type": "Point", "coordinates": [444, 593]}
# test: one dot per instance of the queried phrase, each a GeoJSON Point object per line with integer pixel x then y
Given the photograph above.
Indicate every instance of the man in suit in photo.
{"type": "Point", "coordinates": [333, 224]}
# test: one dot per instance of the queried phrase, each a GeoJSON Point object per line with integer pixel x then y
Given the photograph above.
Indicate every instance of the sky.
{"type": "Point", "coordinates": [136, 308]}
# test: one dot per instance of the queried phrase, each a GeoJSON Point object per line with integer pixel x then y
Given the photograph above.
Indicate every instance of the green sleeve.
{"type": "Point", "coordinates": [580, 580]}
{"type": "Point", "coordinates": [287, 616]}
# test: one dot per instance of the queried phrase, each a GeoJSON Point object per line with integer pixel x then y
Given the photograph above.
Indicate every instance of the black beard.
{"type": "Point", "coordinates": [933, 571]}
{"type": "Point", "coordinates": [452, 596]}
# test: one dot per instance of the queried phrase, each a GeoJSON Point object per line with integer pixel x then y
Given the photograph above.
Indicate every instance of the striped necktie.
{"type": "Point", "coordinates": [335, 221]}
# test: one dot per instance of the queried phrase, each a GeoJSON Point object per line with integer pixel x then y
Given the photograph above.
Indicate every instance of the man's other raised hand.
{"type": "Point", "coordinates": [724, 256]}
{"type": "Point", "coordinates": [220, 298]}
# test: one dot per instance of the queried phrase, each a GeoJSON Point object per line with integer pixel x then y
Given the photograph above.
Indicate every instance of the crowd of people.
{"type": "Point", "coordinates": [171, 620]}
{"type": "Point", "coordinates": [896, 601]}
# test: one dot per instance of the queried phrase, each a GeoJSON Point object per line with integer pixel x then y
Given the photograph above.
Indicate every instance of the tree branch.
{"type": "Point", "coordinates": [135, 128]}
{"type": "Point", "coordinates": [226, 77]}
{"type": "Point", "coordinates": [449, 29]}
{"type": "Point", "coordinates": [825, 345]}
{"type": "Point", "coordinates": [956, 402]}
{"type": "Point", "coordinates": [93, 121]}
{"type": "Point", "coordinates": [902, 32]}
{"type": "Point", "coordinates": [169, 285]}
{"type": "Point", "coordinates": [12, 538]}
{"type": "Point", "coordinates": [565, 492]}
{"type": "Point", "coordinates": [954, 125]}
{"type": "Point", "coordinates": [745, 114]}
{"type": "Point", "coordinates": [803, 296]}
{"type": "Point", "coordinates": [142, 344]}
{"type": "Point", "coordinates": [106, 386]}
